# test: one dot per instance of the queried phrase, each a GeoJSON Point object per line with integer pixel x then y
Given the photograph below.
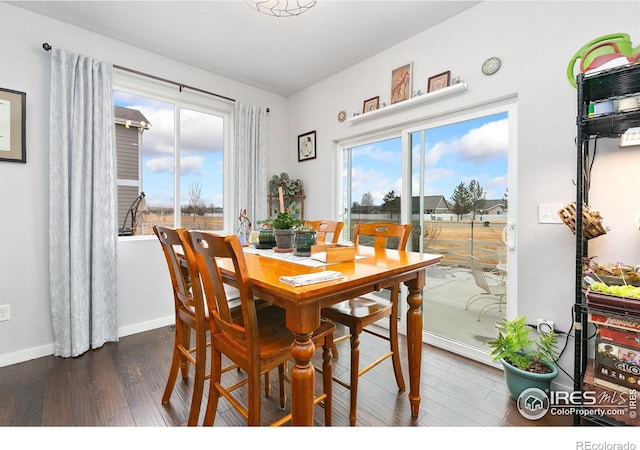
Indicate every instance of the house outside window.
{"type": "Point", "coordinates": [130, 126]}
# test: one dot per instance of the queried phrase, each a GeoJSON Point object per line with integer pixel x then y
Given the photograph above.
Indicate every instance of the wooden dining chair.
{"type": "Point", "coordinates": [256, 339]}
{"type": "Point", "coordinates": [190, 315]}
{"type": "Point", "coordinates": [361, 312]}
{"type": "Point", "coordinates": [324, 227]}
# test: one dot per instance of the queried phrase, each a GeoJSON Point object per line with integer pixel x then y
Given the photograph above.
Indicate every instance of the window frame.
{"type": "Point", "coordinates": [135, 84]}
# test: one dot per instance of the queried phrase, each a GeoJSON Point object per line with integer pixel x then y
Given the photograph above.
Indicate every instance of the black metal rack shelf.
{"type": "Point", "coordinates": [611, 125]}
{"type": "Point", "coordinates": [608, 85]}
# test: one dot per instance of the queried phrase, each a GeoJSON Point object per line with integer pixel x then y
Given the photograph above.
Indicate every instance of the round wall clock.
{"type": "Point", "coordinates": [341, 116]}
{"type": "Point", "coordinates": [491, 66]}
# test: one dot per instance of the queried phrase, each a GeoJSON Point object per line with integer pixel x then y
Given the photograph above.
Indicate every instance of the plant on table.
{"type": "Point", "coordinates": [284, 220]}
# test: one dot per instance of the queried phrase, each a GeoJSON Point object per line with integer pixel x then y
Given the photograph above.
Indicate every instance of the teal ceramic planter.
{"type": "Point", "coordinates": [304, 239]}
{"type": "Point", "coordinates": [519, 380]}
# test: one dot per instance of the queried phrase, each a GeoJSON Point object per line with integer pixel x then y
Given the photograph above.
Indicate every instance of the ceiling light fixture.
{"type": "Point", "coordinates": [281, 8]}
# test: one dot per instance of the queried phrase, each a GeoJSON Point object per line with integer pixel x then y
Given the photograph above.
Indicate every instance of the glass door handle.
{"type": "Point", "coordinates": [508, 235]}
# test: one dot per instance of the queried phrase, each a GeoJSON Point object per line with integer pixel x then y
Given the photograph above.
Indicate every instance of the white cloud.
{"type": "Point", "coordinates": [374, 182]}
{"type": "Point", "coordinates": [488, 141]}
{"type": "Point", "coordinates": [160, 165]}
{"type": "Point", "coordinates": [376, 153]}
{"type": "Point", "coordinates": [200, 132]}
{"type": "Point", "coordinates": [190, 165]}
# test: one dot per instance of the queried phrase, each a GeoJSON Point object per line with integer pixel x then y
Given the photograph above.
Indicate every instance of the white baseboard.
{"type": "Point", "coordinates": [146, 326]}
{"type": "Point", "coordinates": [46, 350]}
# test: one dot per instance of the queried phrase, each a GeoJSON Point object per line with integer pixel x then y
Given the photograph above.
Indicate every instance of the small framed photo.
{"type": "Point", "coordinates": [401, 83]}
{"type": "Point", "coordinates": [438, 81]}
{"type": "Point", "coordinates": [371, 104]}
{"type": "Point", "coordinates": [307, 146]}
{"type": "Point", "coordinates": [13, 105]}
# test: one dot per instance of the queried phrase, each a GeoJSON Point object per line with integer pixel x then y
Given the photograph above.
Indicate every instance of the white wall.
{"type": "Point", "coordinates": [535, 41]}
{"type": "Point", "coordinates": [144, 292]}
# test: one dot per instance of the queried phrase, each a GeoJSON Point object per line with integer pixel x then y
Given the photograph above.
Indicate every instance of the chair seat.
{"type": "Point", "coordinates": [360, 309]}
{"type": "Point", "coordinates": [275, 338]}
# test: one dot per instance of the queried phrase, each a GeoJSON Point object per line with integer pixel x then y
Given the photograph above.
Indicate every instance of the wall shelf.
{"type": "Point", "coordinates": [411, 102]}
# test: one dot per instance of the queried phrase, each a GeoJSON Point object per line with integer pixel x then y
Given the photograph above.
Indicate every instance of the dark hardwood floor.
{"type": "Point", "coordinates": [121, 384]}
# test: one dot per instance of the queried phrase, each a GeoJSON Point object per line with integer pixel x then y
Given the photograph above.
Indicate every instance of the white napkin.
{"type": "Point", "coordinates": [310, 278]}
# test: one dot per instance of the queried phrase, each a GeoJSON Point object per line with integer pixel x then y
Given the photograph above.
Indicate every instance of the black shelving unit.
{"type": "Point", "coordinates": [606, 86]}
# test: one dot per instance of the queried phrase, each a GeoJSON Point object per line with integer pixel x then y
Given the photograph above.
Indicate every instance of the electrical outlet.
{"type": "Point", "coordinates": [545, 326]}
{"type": "Point", "coordinates": [5, 312]}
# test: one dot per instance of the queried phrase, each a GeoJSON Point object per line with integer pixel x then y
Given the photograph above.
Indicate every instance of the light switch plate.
{"type": "Point", "coordinates": [630, 137]}
{"type": "Point", "coordinates": [548, 213]}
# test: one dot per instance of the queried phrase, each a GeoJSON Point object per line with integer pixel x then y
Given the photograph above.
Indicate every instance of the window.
{"type": "Point", "coordinates": [172, 148]}
{"type": "Point", "coordinates": [372, 183]}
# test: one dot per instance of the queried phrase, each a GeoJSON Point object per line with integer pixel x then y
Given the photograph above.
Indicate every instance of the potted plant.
{"type": "Point", "coordinates": [283, 224]}
{"type": "Point", "coordinates": [289, 186]}
{"type": "Point", "coordinates": [527, 362]}
{"type": "Point", "coordinates": [305, 237]}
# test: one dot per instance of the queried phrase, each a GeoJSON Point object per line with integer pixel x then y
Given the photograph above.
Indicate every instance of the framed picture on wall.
{"type": "Point", "coordinates": [307, 146]}
{"type": "Point", "coordinates": [371, 104]}
{"type": "Point", "coordinates": [401, 83]}
{"type": "Point", "coordinates": [13, 114]}
{"type": "Point", "coordinates": [438, 81]}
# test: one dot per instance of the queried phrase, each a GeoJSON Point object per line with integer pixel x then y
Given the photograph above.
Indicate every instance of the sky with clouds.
{"type": "Point", "coordinates": [461, 152]}
{"type": "Point", "coordinates": [464, 151]}
{"type": "Point", "coordinates": [201, 151]}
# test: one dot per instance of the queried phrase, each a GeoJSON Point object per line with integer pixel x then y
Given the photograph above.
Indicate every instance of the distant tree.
{"type": "Point", "coordinates": [460, 200]}
{"type": "Point", "coordinates": [476, 197]}
{"type": "Point", "coordinates": [195, 198]}
{"type": "Point", "coordinates": [505, 199]}
{"type": "Point", "coordinates": [391, 203]}
{"type": "Point", "coordinates": [367, 202]}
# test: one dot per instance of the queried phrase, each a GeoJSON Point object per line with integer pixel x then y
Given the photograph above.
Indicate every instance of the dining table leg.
{"type": "Point", "coordinates": [302, 321]}
{"type": "Point", "coordinates": [302, 380]}
{"type": "Point", "coordinates": [414, 338]}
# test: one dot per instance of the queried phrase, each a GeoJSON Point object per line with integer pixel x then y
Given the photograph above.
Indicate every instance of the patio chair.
{"type": "Point", "coordinates": [493, 288]}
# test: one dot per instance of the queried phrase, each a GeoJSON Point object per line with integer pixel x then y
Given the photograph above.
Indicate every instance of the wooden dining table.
{"type": "Point", "coordinates": [373, 270]}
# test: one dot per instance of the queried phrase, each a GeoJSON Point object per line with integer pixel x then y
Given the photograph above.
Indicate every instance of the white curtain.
{"type": "Point", "coordinates": [250, 160]}
{"type": "Point", "coordinates": [82, 196]}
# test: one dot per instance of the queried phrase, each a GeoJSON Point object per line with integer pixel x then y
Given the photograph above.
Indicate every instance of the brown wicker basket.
{"type": "Point", "coordinates": [591, 220]}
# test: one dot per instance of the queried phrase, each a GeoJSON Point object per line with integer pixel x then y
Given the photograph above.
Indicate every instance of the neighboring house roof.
{"type": "Point", "coordinates": [434, 203]}
{"type": "Point", "coordinates": [133, 115]}
{"type": "Point", "coordinates": [438, 204]}
{"type": "Point", "coordinates": [493, 204]}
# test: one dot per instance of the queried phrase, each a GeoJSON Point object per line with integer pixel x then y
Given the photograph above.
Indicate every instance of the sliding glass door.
{"type": "Point", "coordinates": [450, 179]}
{"type": "Point", "coordinates": [460, 206]}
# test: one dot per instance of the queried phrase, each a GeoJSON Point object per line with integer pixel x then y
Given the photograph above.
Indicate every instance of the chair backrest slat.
{"type": "Point", "coordinates": [184, 280]}
{"type": "Point", "coordinates": [324, 227]}
{"type": "Point", "coordinates": [209, 249]}
{"type": "Point", "coordinates": [381, 233]}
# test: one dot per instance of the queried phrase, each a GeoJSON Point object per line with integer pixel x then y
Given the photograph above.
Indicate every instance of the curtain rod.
{"type": "Point", "coordinates": [48, 47]}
